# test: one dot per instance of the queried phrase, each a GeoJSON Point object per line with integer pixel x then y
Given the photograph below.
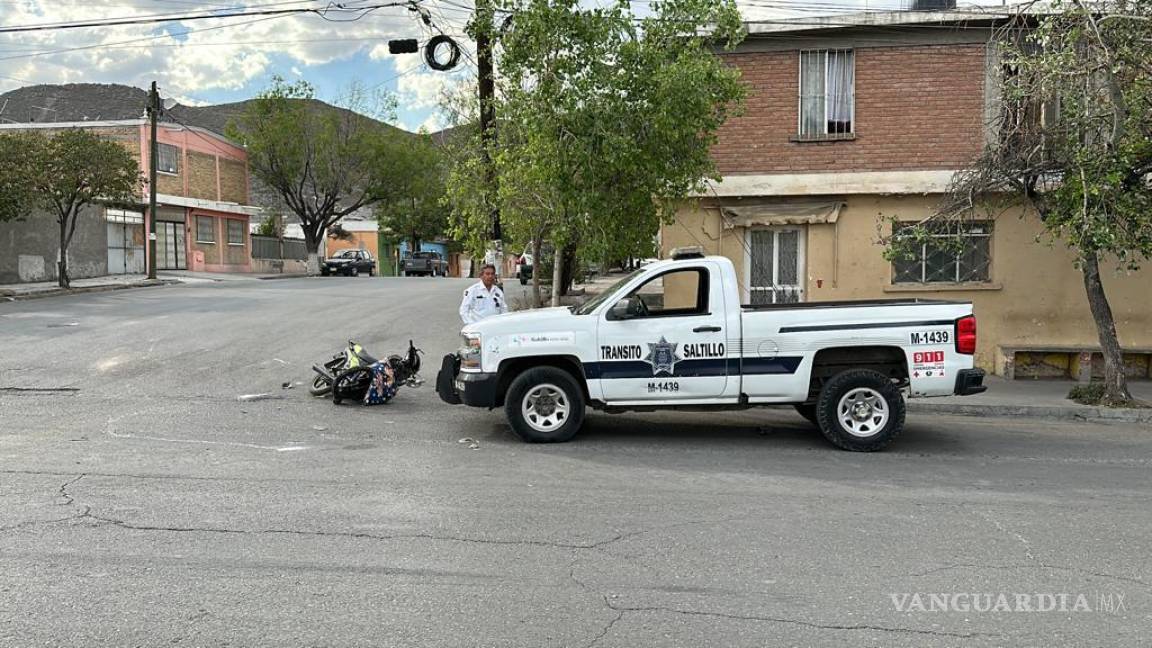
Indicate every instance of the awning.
{"type": "Point", "coordinates": [781, 213]}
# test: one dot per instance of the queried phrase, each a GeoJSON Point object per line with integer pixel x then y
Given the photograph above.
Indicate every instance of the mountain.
{"type": "Point", "coordinates": [77, 102]}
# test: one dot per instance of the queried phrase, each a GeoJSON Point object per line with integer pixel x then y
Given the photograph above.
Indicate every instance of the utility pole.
{"type": "Point", "coordinates": [153, 149]}
{"type": "Point", "coordinates": [487, 89]}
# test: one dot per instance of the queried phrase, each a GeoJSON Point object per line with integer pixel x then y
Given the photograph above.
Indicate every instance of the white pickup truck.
{"type": "Point", "coordinates": [674, 335]}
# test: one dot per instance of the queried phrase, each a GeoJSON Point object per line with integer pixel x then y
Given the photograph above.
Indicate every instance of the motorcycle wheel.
{"type": "Point", "coordinates": [321, 386]}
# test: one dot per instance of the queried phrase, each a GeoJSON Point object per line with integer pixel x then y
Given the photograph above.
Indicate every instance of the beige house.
{"type": "Point", "coordinates": [854, 120]}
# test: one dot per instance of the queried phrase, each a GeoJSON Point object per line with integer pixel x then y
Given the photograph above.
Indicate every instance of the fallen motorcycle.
{"type": "Point", "coordinates": [351, 357]}
{"type": "Point", "coordinates": [356, 375]}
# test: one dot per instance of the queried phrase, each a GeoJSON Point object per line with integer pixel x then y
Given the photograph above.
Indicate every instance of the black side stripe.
{"type": "Point", "coordinates": [694, 368]}
{"type": "Point", "coordinates": [868, 325]}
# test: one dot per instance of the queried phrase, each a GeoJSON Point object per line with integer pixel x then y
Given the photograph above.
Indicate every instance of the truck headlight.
{"type": "Point", "coordinates": [470, 354]}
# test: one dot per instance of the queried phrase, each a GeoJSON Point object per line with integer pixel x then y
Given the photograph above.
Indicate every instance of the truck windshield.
{"type": "Point", "coordinates": [591, 305]}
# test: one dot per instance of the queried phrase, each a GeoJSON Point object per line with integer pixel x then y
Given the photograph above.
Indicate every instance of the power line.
{"type": "Point", "coordinates": [161, 18]}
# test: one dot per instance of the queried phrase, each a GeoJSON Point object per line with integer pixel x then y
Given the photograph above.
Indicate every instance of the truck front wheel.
{"type": "Point", "coordinates": [545, 405]}
{"type": "Point", "coordinates": [860, 410]}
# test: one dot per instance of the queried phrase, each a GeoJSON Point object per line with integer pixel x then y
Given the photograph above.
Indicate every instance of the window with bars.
{"type": "Point", "coordinates": [951, 253]}
{"type": "Point", "coordinates": [235, 232]}
{"type": "Point", "coordinates": [205, 229]}
{"type": "Point", "coordinates": [167, 158]}
{"type": "Point", "coordinates": [827, 94]}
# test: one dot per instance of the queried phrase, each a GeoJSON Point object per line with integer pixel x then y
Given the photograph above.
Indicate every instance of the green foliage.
{"type": "Point", "coordinates": [17, 191]}
{"type": "Point", "coordinates": [605, 123]}
{"type": "Point", "coordinates": [1090, 394]}
{"type": "Point", "coordinates": [62, 173]}
{"type": "Point", "coordinates": [414, 208]}
{"type": "Point", "coordinates": [324, 163]}
{"type": "Point", "coordinates": [272, 225]}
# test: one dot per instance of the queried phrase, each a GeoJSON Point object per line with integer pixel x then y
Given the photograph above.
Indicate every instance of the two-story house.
{"type": "Point", "coordinates": [202, 215]}
{"type": "Point", "coordinates": [855, 121]}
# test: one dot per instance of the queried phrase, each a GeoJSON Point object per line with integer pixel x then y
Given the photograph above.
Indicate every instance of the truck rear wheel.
{"type": "Point", "coordinates": [545, 405]}
{"type": "Point", "coordinates": [860, 410]}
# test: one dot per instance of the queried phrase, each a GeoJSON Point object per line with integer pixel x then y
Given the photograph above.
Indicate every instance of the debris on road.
{"type": "Point", "coordinates": [472, 443]}
{"type": "Point", "coordinates": [244, 398]}
{"type": "Point", "coordinates": [319, 428]}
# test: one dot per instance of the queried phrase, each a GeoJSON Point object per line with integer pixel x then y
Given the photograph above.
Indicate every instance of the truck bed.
{"type": "Point", "coordinates": [851, 303]}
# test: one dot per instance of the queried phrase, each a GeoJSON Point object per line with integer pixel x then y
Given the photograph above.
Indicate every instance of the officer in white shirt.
{"type": "Point", "coordinates": [484, 298]}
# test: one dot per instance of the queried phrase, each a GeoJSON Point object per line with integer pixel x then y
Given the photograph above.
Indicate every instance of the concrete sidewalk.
{"type": "Point", "coordinates": [36, 290]}
{"type": "Point", "coordinates": [1035, 398]}
{"type": "Point", "coordinates": [188, 276]}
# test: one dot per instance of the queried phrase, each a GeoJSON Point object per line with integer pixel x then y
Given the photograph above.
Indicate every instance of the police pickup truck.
{"type": "Point", "coordinates": [674, 335]}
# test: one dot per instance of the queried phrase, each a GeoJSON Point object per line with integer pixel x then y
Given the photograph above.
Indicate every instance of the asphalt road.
{"type": "Point", "coordinates": [143, 504]}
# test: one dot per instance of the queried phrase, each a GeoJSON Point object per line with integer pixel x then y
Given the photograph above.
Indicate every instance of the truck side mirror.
{"type": "Point", "coordinates": [620, 310]}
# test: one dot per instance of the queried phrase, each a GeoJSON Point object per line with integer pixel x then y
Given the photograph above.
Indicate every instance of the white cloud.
{"type": "Point", "coordinates": [214, 54]}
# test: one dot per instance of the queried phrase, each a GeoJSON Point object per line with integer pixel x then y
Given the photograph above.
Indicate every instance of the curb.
{"type": "Point", "coordinates": [1082, 413]}
{"type": "Point", "coordinates": [59, 292]}
{"type": "Point", "coordinates": [295, 275]}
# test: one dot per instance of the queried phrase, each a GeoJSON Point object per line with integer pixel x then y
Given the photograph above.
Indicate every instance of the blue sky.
{"type": "Point", "coordinates": [222, 60]}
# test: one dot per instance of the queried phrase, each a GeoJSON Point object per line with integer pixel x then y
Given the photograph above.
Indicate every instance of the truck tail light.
{"type": "Point", "coordinates": [966, 335]}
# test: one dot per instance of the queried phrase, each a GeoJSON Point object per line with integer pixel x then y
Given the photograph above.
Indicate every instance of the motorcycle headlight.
{"type": "Point", "coordinates": [470, 354]}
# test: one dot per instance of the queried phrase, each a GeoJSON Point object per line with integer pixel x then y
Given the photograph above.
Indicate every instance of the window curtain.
{"type": "Point", "coordinates": [812, 93]}
{"type": "Point", "coordinates": [840, 84]}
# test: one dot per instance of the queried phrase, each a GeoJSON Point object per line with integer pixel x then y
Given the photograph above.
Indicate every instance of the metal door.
{"type": "Point", "coordinates": [170, 254]}
{"type": "Point", "coordinates": [125, 248]}
{"type": "Point", "coordinates": [775, 265]}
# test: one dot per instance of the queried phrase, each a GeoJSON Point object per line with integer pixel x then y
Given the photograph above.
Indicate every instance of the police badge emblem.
{"type": "Point", "coordinates": [662, 356]}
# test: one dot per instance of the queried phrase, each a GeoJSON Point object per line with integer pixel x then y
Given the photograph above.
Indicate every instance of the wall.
{"type": "Point", "coordinates": [917, 107]}
{"type": "Point", "coordinates": [279, 266]}
{"type": "Point", "coordinates": [1035, 296]}
{"type": "Point", "coordinates": [29, 249]}
{"type": "Point", "coordinates": [210, 168]}
{"type": "Point", "coordinates": [360, 241]}
{"type": "Point", "coordinates": [218, 256]}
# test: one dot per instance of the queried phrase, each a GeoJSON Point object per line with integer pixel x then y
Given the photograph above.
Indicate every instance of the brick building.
{"type": "Point", "coordinates": [202, 216]}
{"type": "Point", "coordinates": [855, 120]}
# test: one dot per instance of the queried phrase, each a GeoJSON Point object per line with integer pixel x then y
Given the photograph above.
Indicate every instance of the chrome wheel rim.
{"type": "Point", "coordinates": [545, 408]}
{"type": "Point", "coordinates": [863, 412]}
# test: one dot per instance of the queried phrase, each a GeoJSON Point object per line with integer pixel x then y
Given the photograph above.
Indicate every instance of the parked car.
{"type": "Point", "coordinates": [350, 263]}
{"type": "Point", "coordinates": [674, 335]}
{"type": "Point", "coordinates": [426, 264]}
{"type": "Point", "coordinates": [526, 264]}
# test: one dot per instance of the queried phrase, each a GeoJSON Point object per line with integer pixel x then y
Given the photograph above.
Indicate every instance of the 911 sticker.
{"type": "Point", "coordinates": [931, 337]}
{"type": "Point", "coordinates": [928, 364]}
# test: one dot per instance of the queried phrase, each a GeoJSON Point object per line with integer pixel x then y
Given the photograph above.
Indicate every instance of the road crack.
{"type": "Point", "coordinates": [1036, 565]}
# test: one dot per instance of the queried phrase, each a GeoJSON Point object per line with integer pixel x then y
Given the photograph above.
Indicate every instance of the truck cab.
{"type": "Point", "coordinates": [674, 334]}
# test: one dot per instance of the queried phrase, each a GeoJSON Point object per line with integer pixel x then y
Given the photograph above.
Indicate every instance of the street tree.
{"type": "Point", "coordinates": [1074, 143]}
{"type": "Point", "coordinates": [17, 194]}
{"type": "Point", "coordinates": [606, 119]}
{"type": "Point", "coordinates": [413, 208]}
{"type": "Point", "coordinates": [63, 173]}
{"type": "Point", "coordinates": [324, 163]}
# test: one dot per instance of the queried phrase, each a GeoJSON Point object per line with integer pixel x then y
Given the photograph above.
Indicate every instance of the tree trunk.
{"type": "Point", "coordinates": [312, 244]}
{"type": "Point", "coordinates": [569, 268]}
{"type": "Point", "coordinates": [1115, 382]}
{"type": "Point", "coordinates": [537, 301]}
{"type": "Point", "coordinates": [557, 277]}
{"type": "Point", "coordinates": [62, 279]}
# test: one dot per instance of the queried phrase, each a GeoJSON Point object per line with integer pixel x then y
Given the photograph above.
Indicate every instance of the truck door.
{"type": "Point", "coordinates": [666, 340]}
